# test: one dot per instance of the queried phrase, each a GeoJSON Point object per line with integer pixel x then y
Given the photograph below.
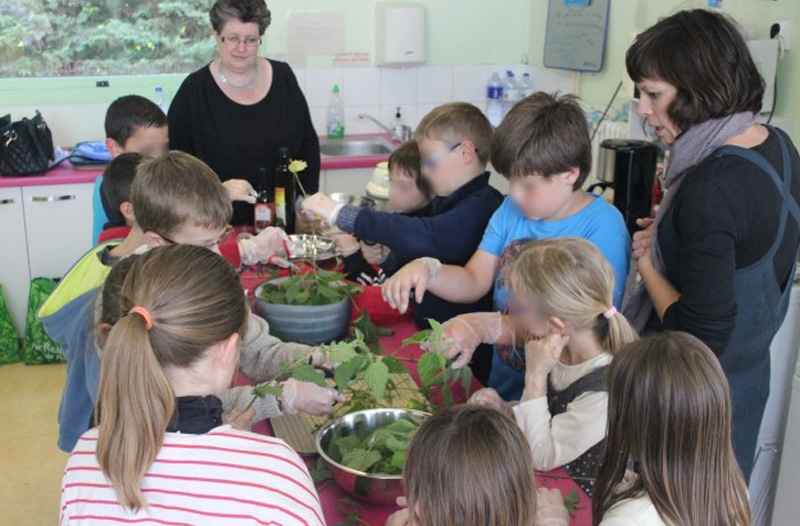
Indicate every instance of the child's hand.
{"type": "Point", "coordinates": [399, 518]}
{"type": "Point", "coordinates": [542, 355]}
{"type": "Point", "coordinates": [415, 275]}
{"type": "Point", "coordinates": [267, 247]}
{"type": "Point", "coordinates": [321, 205]}
{"type": "Point", "coordinates": [309, 398]}
{"type": "Point", "coordinates": [240, 417]}
{"type": "Point", "coordinates": [346, 244]}
{"type": "Point", "coordinates": [468, 331]}
{"type": "Point", "coordinates": [240, 190]}
{"type": "Point", "coordinates": [488, 397]}
{"type": "Point", "coordinates": [643, 238]}
{"type": "Point", "coordinates": [550, 509]}
{"type": "Point", "coordinates": [374, 254]}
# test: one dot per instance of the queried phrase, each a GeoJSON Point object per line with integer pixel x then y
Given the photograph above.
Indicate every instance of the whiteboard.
{"type": "Point", "coordinates": [576, 34]}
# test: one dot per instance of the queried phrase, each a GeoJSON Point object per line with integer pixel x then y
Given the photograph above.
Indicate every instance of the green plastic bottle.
{"type": "Point", "coordinates": [335, 115]}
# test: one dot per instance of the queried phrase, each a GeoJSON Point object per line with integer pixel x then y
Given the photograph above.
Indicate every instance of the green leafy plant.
{"type": "Point", "coordinates": [381, 451]}
{"type": "Point", "coordinates": [316, 287]}
{"type": "Point", "coordinates": [571, 502]}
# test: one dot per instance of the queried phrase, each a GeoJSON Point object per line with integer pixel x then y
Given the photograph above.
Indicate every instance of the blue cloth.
{"type": "Point", "coordinates": [450, 234]}
{"type": "Point", "coordinates": [99, 216]}
{"type": "Point", "coordinates": [508, 233]}
{"type": "Point", "coordinates": [72, 327]}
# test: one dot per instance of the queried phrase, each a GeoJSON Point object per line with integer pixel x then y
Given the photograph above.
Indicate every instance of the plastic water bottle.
{"type": "Point", "coordinates": [335, 115]}
{"type": "Point", "coordinates": [494, 99]}
{"type": "Point", "coordinates": [511, 92]}
{"type": "Point", "coordinates": [161, 101]}
{"type": "Point", "coordinates": [527, 85]}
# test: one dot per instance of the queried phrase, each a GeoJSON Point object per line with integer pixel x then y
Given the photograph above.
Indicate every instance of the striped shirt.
{"type": "Point", "coordinates": [225, 477]}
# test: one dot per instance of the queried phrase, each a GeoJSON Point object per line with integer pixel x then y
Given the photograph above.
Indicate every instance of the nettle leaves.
{"type": "Point", "coordinates": [381, 451]}
{"type": "Point", "coordinates": [319, 287]}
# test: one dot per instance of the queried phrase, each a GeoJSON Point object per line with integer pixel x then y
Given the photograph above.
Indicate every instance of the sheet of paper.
{"type": "Point", "coordinates": [315, 33]}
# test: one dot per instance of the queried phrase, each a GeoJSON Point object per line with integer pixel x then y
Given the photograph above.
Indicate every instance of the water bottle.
{"type": "Point", "coordinates": [494, 100]}
{"type": "Point", "coordinates": [511, 92]}
{"type": "Point", "coordinates": [335, 115]}
{"type": "Point", "coordinates": [161, 101]}
{"type": "Point", "coordinates": [527, 85]}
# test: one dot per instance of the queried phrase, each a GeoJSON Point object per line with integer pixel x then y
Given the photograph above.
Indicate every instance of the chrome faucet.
{"type": "Point", "coordinates": [400, 133]}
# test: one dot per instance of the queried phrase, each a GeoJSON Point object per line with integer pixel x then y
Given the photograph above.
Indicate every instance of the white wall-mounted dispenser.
{"type": "Point", "coordinates": [401, 34]}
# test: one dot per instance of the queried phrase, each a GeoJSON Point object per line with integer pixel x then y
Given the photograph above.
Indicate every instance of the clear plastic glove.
{"type": "Point", "coordinates": [308, 398]}
{"type": "Point", "coordinates": [490, 398]}
{"type": "Point", "coordinates": [467, 331]}
{"type": "Point", "coordinates": [346, 244]}
{"type": "Point", "coordinates": [240, 417]}
{"type": "Point", "coordinates": [374, 254]}
{"type": "Point", "coordinates": [542, 355]}
{"type": "Point", "coordinates": [321, 205]}
{"type": "Point", "coordinates": [415, 276]}
{"type": "Point", "coordinates": [399, 518]}
{"type": "Point", "coordinates": [318, 359]}
{"type": "Point", "coordinates": [550, 509]}
{"type": "Point", "coordinates": [269, 246]}
{"type": "Point", "coordinates": [240, 190]}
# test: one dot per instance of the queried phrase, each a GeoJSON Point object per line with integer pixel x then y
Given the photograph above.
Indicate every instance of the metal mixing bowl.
{"type": "Point", "coordinates": [367, 487]}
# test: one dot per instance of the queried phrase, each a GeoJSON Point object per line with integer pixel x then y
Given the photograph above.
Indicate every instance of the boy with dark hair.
{"type": "Point", "coordinates": [115, 193]}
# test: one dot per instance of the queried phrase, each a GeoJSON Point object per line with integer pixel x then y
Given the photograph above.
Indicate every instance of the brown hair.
{"type": "Point", "coordinates": [406, 160]}
{"type": "Point", "coordinates": [470, 466]}
{"type": "Point", "coordinates": [129, 113]}
{"type": "Point", "coordinates": [175, 189]}
{"type": "Point", "coordinates": [705, 57]}
{"type": "Point", "coordinates": [543, 134]}
{"type": "Point", "coordinates": [115, 188]}
{"type": "Point", "coordinates": [568, 277]}
{"type": "Point", "coordinates": [191, 311]}
{"type": "Point", "coordinates": [245, 11]}
{"type": "Point", "coordinates": [669, 412]}
{"type": "Point", "coordinates": [457, 121]}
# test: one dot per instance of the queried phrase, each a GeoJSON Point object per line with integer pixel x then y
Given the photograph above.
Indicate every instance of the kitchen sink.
{"type": "Point", "coordinates": [355, 147]}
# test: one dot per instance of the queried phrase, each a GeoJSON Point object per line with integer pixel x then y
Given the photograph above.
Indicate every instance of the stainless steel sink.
{"type": "Point", "coordinates": [355, 147]}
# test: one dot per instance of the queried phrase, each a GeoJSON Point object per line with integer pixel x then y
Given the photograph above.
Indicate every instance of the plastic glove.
{"type": "Point", "coordinates": [467, 331]}
{"type": "Point", "coordinates": [321, 205]}
{"type": "Point", "coordinates": [269, 246]}
{"type": "Point", "coordinates": [542, 355]}
{"type": "Point", "coordinates": [415, 275]}
{"type": "Point", "coordinates": [346, 244]}
{"type": "Point", "coordinates": [490, 398]}
{"type": "Point", "coordinates": [374, 254]}
{"type": "Point", "coordinates": [308, 398]}
{"type": "Point", "coordinates": [240, 190]}
{"type": "Point", "coordinates": [550, 509]}
{"type": "Point", "coordinates": [240, 417]}
{"type": "Point", "coordinates": [318, 359]}
{"type": "Point", "coordinates": [399, 518]}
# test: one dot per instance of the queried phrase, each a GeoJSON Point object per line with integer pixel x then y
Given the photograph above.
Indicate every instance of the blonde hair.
{"type": "Point", "coordinates": [669, 411]}
{"type": "Point", "coordinates": [470, 466]}
{"type": "Point", "coordinates": [569, 278]}
{"type": "Point", "coordinates": [190, 311]}
{"type": "Point", "coordinates": [176, 189]}
{"type": "Point", "coordinates": [458, 121]}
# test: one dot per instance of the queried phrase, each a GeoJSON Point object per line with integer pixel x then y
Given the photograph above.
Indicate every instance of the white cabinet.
{"type": "Point", "coordinates": [58, 222]}
{"type": "Point", "coordinates": [347, 180]}
{"type": "Point", "coordinates": [14, 273]}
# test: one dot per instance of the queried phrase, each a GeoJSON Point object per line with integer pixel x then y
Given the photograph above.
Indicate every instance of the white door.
{"type": "Point", "coordinates": [14, 275]}
{"type": "Point", "coordinates": [58, 220]}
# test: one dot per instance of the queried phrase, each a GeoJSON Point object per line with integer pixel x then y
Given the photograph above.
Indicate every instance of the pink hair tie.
{"type": "Point", "coordinates": [612, 310]}
{"type": "Point", "coordinates": [141, 311]}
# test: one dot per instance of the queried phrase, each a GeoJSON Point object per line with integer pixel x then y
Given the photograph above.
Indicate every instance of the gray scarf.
{"type": "Point", "coordinates": [689, 150]}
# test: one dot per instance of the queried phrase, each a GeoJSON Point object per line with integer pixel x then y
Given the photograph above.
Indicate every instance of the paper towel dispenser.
{"type": "Point", "coordinates": [401, 34]}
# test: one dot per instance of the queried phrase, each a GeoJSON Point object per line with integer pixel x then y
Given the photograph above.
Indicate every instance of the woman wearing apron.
{"type": "Point", "coordinates": [718, 259]}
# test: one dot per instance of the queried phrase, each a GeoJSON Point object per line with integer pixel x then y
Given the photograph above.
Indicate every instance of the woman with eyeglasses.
{"type": "Point", "coordinates": [235, 112]}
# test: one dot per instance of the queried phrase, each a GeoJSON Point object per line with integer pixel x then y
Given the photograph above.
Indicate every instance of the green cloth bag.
{"type": "Point", "coordinates": [39, 348]}
{"type": "Point", "coordinates": [9, 339]}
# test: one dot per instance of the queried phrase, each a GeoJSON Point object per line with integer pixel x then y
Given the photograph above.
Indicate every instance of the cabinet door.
{"type": "Point", "coordinates": [58, 220]}
{"type": "Point", "coordinates": [14, 276]}
{"type": "Point", "coordinates": [348, 180]}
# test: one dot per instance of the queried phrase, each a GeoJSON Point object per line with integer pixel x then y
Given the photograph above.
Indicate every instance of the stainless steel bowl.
{"type": "Point", "coordinates": [360, 201]}
{"type": "Point", "coordinates": [312, 247]}
{"type": "Point", "coordinates": [368, 487]}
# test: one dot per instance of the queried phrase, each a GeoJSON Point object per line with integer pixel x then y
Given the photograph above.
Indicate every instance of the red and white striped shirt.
{"type": "Point", "coordinates": [225, 477]}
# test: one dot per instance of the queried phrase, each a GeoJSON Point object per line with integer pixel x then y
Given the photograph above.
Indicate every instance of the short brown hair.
{"type": "Point", "coordinates": [244, 11]}
{"type": "Point", "coordinates": [175, 189]}
{"type": "Point", "coordinates": [406, 159]}
{"type": "Point", "coordinates": [705, 57]}
{"type": "Point", "coordinates": [470, 466]}
{"type": "Point", "coordinates": [458, 121]}
{"type": "Point", "coordinates": [543, 134]}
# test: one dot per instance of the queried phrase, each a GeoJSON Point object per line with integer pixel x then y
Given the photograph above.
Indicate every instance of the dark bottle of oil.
{"type": "Point", "coordinates": [284, 193]}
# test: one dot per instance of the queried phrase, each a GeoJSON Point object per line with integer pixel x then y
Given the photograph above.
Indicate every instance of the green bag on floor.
{"type": "Point", "coordinates": [9, 339]}
{"type": "Point", "coordinates": [39, 348]}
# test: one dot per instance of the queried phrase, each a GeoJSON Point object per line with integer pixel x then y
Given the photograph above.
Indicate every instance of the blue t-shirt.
{"type": "Point", "coordinates": [508, 233]}
{"type": "Point", "coordinates": [99, 217]}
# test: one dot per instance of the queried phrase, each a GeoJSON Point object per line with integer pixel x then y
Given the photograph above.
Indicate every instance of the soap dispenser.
{"type": "Point", "coordinates": [399, 129]}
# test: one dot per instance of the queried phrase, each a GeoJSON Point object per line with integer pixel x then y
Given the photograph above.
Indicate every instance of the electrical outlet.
{"type": "Point", "coordinates": [784, 29]}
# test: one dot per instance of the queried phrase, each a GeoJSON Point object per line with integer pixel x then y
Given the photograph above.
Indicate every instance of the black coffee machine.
{"type": "Point", "coordinates": [628, 169]}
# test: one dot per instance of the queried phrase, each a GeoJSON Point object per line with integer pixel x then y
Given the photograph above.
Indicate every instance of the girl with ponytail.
{"type": "Point", "coordinates": [161, 452]}
{"type": "Point", "coordinates": [562, 308]}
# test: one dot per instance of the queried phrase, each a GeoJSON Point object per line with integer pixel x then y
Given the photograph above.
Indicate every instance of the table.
{"type": "Point", "coordinates": [331, 495]}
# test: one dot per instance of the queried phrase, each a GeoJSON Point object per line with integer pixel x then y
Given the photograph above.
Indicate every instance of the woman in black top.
{"type": "Point", "coordinates": [718, 259]}
{"type": "Point", "coordinates": [235, 112]}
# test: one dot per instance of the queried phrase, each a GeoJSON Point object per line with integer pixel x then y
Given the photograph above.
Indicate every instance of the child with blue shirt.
{"type": "Point", "coordinates": [543, 148]}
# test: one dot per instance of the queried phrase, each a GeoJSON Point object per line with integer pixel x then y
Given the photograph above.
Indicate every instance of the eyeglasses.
{"type": "Point", "coordinates": [234, 41]}
{"type": "Point", "coordinates": [429, 162]}
{"type": "Point", "coordinates": [211, 246]}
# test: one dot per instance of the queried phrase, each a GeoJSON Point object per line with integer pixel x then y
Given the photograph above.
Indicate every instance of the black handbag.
{"type": "Point", "coordinates": [26, 146]}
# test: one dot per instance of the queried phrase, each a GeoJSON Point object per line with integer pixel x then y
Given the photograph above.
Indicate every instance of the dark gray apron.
{"type": "Point", "coordinates": [760, 309]}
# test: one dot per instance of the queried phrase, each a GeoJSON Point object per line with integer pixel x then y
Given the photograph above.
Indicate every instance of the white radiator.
{"type": "Point", "coordinates": [608, 130]}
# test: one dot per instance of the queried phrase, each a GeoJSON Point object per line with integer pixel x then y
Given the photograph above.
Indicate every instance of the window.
{"type": "Point", "coordinates": [58, 38]}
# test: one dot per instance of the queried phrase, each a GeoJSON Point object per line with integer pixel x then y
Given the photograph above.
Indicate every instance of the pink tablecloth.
{"type": "Point", "coordinates": [331, 495]}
